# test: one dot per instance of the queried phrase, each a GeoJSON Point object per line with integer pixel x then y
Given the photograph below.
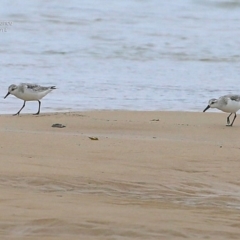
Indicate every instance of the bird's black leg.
{"type": "Point", "coordinates": [228, 119]}
{"type": "Point", "coordinates": [235, 116]}
{"type": "Point", "coordinates": [20, 109]}
{"type": "Point", "coordinates": [38, 108]}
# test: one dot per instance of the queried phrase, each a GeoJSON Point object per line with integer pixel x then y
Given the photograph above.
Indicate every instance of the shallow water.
{"type": "Point", "coordinates": [132, 54]}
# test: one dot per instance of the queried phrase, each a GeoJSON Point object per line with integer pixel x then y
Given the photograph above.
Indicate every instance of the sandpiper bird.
{"type": "Point", "coordinates": [228, 103]}
{"type": "Point", "coordinates": [29, 92]}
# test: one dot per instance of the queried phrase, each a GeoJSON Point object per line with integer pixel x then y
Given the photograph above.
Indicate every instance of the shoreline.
{"type": "Point", "coordinates": [64, 111]}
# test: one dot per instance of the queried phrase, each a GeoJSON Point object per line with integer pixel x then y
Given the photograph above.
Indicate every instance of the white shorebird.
{"type": "Point", "coordinates": [228, 103]}
{"type": "Point", "coordinates": [29, 92]}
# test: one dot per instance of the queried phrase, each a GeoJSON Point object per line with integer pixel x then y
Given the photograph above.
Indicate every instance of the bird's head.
{"type": "Point", "coordinates": [212, 103]}
{"type": "Point", "coordinates": [11, 89]}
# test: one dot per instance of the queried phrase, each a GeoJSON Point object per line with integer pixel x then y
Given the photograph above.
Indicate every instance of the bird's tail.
{"type": "Point", "coordinates": [53, 87]}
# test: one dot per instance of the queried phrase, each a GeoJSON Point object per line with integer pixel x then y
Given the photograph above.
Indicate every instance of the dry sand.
{"type": "Point", "coordinates": [150, 175]}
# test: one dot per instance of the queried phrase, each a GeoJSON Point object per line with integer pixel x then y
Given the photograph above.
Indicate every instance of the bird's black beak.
{"type": "Point", "coordinates": [206, 108]}
{"type": "Point", "coordinates": [7, 95]}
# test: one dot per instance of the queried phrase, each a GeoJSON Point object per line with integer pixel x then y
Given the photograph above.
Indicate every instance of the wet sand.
{"type": "Point", "coordinates": [150, 175]}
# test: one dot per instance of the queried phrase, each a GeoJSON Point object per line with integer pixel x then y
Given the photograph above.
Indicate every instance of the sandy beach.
{"type": "Point", "coordinates": [148, 175]}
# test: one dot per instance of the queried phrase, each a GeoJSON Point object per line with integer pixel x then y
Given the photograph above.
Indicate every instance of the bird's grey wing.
{"type": "Point", "coordinates": [35, 87]}
{"type": "Point", "coordinates": [233, 97]}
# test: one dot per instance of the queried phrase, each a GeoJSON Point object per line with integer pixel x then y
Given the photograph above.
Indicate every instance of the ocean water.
{"type": "Point", "coordinates": [129, 54]}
